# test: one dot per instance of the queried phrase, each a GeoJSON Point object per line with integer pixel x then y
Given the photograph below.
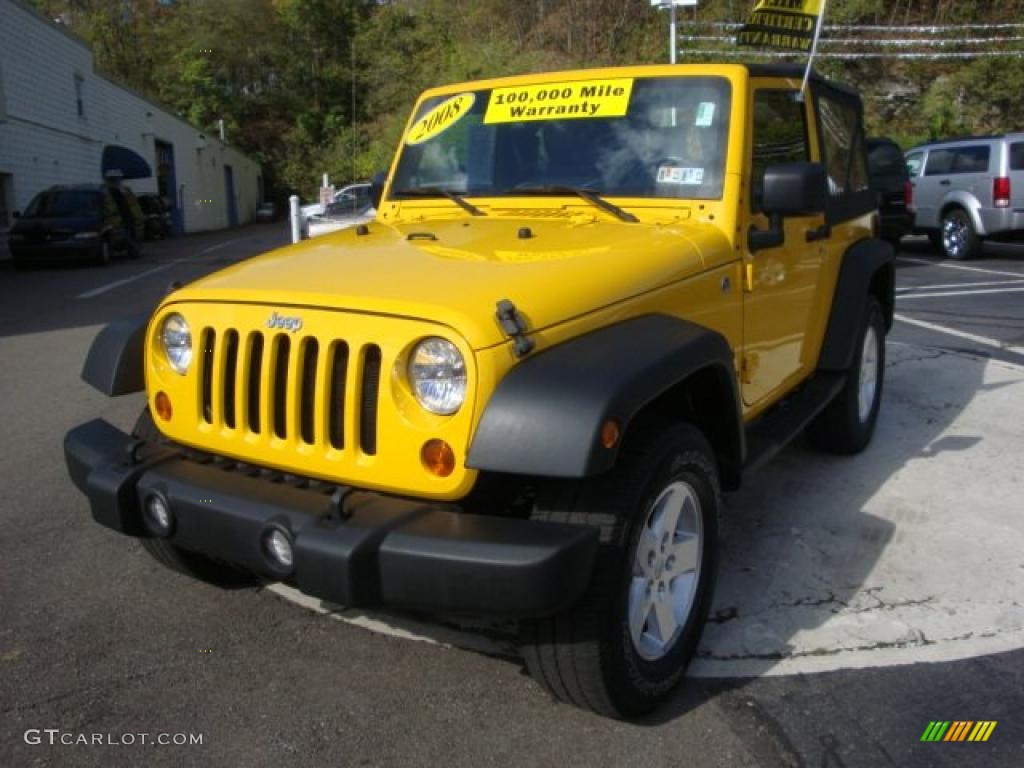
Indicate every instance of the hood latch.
{"type": "Point", "coordinates": [514, 326]}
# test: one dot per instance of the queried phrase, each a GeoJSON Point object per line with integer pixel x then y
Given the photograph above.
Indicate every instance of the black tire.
{"type": "Point", "coordinates": [19, 264]}
{"type": "Point", "coordinates": [959, 239]}
{"type": "Point", "coordinates": [167, 554]}
{"type": "Point", "coordinates": [935, 239]}
{"type": "Point", "coordinates": [103, 254]}
{"type": "Point", "coordinates": [844, 427]}
{"type": "Point", "coordinates": [587, 656]}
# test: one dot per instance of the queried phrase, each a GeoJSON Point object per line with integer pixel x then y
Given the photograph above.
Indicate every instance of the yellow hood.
{"type": "Point", "coordinates": [567, 267]}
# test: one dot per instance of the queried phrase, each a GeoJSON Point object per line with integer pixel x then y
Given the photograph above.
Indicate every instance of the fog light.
{"type": "Point", "coordinates": [279, 548]}
{"type": "Point", "coordinates": [158, 516]}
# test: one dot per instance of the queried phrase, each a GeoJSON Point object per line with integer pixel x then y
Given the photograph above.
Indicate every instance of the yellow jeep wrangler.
{"type": "Point", "coordinates": [589, 302]}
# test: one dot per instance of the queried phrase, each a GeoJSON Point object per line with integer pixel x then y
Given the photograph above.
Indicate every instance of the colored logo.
{"type": "Point", "coordinates": [958, 730]}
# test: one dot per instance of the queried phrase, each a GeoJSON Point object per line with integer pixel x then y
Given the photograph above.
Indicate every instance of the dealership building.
{"type": "Point", "coordinates": [61, 122]}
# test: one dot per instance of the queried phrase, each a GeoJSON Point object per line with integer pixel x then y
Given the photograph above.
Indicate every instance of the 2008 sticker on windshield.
{"type": "Point", "coordinates": [440, 118]}
{"type": "Point", "coordinates": [557, 101]}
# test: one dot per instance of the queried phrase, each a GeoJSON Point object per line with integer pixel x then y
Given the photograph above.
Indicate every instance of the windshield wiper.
{"type": "Point", "coordinates": [440, 192]}
{"type": "Point", "coordinates": [592, 197]}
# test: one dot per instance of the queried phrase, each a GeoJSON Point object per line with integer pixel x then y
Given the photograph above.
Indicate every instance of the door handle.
{"type": "Point", "coordinates": [820, 233]}
{"type": "Point", "coordinates": [945, 182]}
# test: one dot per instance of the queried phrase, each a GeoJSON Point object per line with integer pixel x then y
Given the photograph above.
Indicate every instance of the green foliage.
{"type": "Point", "coordinates": [313, 86]}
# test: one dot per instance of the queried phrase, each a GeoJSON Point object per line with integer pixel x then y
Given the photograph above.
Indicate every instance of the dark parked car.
{"type": "Point", "coordinates": [80, 222]}
{"type": "Point", "coordinates": [888, 178]}
{"type": "Point", "coordinates": [157, 217]}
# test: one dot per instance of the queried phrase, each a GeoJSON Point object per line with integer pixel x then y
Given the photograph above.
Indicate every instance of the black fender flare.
{"type": "Point", "coordinates": [863, 264]}
{"type": "Point", "coordinates": [115, 363]}
{"type": "Point", "coordinates": [546, 415]}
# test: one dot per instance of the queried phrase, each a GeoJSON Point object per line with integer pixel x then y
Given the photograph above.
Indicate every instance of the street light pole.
{"type": "Point", "coordinates": [672, 5]}
{"type": "Point", "coordinates": [672, 34]}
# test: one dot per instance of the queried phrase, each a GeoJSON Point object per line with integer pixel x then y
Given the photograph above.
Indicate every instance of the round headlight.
{"type": "Point", "coordinates": [177, 340]}
{"type": "Point", "coordinates": [437, 373]}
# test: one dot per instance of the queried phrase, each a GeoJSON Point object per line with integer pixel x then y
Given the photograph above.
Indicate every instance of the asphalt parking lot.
{"type": "Point", "coordinates": [859, 599]}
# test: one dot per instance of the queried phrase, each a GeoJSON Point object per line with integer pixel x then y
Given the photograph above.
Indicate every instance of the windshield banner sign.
{"type": "Point", "coordinates": [559, 101]}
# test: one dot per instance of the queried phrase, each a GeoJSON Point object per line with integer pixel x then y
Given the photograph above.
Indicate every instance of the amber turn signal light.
{"type": "Point", "coordinates": [610, 434]}
{"type": "Point", "coordinates": [438, 457]}
{"type": "Point", "coordinates": [163, 406]}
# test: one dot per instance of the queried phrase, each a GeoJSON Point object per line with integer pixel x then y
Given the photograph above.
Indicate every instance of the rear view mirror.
{"type": "Point", "coordinates": [377, 187]}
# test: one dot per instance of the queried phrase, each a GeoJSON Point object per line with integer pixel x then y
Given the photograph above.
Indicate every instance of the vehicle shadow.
{"type": "Point", "coordinates": [814, 556]}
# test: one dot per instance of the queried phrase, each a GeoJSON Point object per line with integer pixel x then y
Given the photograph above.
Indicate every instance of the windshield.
{"type": "Point", "coordinates": [662, 137]}
{"type": "Point", "coordinates": [64, 203]}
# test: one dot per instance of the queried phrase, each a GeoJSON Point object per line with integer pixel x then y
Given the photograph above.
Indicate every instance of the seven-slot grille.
{"type": "Point", "coordinates": [290, 387]}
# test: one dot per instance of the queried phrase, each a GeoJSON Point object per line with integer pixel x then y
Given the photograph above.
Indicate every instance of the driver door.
{"type": "Point", "coordinates": [781, 283]}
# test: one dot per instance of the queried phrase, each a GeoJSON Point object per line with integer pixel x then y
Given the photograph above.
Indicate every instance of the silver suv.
{"type": "Point", "coordinates": [967, 190]}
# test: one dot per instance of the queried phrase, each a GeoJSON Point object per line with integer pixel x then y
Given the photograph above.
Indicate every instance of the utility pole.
{"type": "Point", "coordinates": [671, 6]}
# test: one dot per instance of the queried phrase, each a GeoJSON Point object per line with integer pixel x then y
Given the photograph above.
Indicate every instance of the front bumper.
{"type": "Point", "coordinates": [361, 549]}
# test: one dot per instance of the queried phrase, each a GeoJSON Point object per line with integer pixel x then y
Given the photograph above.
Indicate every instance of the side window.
{"type": "Point", "coordinates": [780, 136]}
{"type": "Point", "coordinates": [842, 147]}
{"type": "Point", "coordinates": [971, 160]}
{"type": "Point", "coordinates": [914, 162]}
{"type": "Point", "coordinates": [940, 162]}
{"type": "Point", "coordinates": [1017, 157]}
{"type": "Point", "coordinates": [80, 94]}
{"type": "Point", "coordinates": [885, 160]}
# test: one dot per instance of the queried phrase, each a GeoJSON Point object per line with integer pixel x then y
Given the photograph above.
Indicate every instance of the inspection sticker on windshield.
{"type": "Point", "coordinates": [705, 114]}
{"type": "Point", "coordinates": [440, 118]}
{"type": "Point", "coordinates": [557, 101]}
{"type": "Point", "coordinates": [673, 174]}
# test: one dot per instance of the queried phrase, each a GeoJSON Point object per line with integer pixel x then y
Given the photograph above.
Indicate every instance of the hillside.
{"type": "Point", "coordinates": [325, 85]}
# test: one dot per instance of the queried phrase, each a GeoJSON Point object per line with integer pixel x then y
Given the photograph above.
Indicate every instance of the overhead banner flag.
{"type": "Point", "coordinates": [789, 24]}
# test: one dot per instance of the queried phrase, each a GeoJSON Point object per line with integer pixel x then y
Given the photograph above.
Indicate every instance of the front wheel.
{"type": "Point", "coordinates": [848, 422]}
{"type": "Point", "coordinates": [103, 255]}
{"type": "Point", "coordinates": [626, 645]}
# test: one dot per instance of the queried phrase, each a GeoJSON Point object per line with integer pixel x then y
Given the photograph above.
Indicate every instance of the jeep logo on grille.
{"type": "Point", "coordinates": [288, 323]}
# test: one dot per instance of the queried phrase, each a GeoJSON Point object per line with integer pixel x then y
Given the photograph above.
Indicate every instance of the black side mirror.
{"type": "Point", "coordinates": [789, 189]}
{"type": "Point", "coordinates": [795, 189]}
{"type": "Point", "coordinates": [377, 187]}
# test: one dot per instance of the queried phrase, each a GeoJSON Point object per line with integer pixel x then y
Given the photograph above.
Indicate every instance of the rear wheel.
{"type": "Point", "coordinates": [181, 560]}
{"type": "Point", "coordinates": [626, 644]}
{"type": "Point", "coordinates": [848, 422]}
{"type": "Point", "coordinates": [959, 239]}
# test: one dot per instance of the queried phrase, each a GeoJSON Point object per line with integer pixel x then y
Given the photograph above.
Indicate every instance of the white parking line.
{"type": "Point", "coordinates": [964, 267]}
{"type": "Point", "coordinates": [943, 294]}
{"type": "Point", "coordinates": [944, 286]}
{"type": "Point", "coordinates": [118, 283]}
{"type": "Point", "coordinates": [983, 340]}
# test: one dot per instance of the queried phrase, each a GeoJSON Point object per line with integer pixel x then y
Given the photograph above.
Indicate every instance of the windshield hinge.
{"type": "Point", "coordinates": [514, 326]}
